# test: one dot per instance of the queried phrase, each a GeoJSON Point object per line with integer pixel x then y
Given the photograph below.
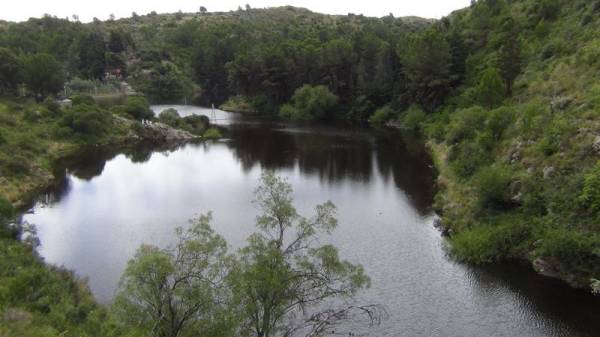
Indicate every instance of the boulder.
{"type": "Point", "coordinates": [548, 171]}
{"type": "Point", "coordinates": [160, 132]}
{"type": "Point", "coordinates": [596, 145]}
{"type": "Point", "coordinates": [545, 268]}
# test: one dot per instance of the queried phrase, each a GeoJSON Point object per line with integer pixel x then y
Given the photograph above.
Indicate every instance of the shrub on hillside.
{"type": "Point", "coordinates": [486, 244]}
{"type": "Point", "coordinates": [577, 252]}
{"type": "Point", "coordinates": [590, 194]}
{"type": "Point", "coordinates": [491, 88]}
{"type": "Point", "coordinates": [7, 212]}
{"type": "Point", "coordinates": [15, 165]}
{"type": "Point", "coordinates": [492, 187]}
{"type": "Point", "coordinates": [498, 120]}
{"type": "Point", "coordinates": [413, 117]}
{"type": "Point", "coordinates": [52, 106]}
{"type": "Point", "coordinates": [466, 158]}
{"type": "Point", "coordinates": [464, 123]}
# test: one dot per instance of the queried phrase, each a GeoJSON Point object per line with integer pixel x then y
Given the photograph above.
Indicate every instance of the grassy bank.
{"type": "Point", "coordinates": [37, 299]}
{"type": "Point", "coordinates": [34, 135]}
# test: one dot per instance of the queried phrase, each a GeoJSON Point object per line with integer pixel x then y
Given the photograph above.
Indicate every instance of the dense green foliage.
{"type": "Point", "coordinates": [517, 143]}
{"type": "Point", "coordinates": [43, 74]}
{"type": "Point", "coordinates": [195, 124]}
{"type": "Point", "coordinates": [309, 103]}
{"type": "Point", "coordinates": [138, 108]}
{"type": "Point", "coordinates": [178, 291]}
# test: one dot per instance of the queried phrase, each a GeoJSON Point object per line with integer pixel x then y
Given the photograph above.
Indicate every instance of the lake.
{"type": "Point", "coordinates": [382, 182]}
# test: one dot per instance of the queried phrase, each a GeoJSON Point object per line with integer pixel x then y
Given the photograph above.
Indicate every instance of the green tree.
{"type": "Point", "coordinates": [283, 274]}
{"type": "Point", "coordinates": [310, 103]}
{"type": "Point", "coordinates": [510, 59]}
{"type": "Point", "coordinates": [590, 194]}
{"type": "Point", "coordinates": [138, 108]}
{"type": "Point", "coordinates": [87, 120]}
{"type": "Point", "coordinates": [92, 58]}
{"type": "Point", "coordinates": [491, 88]}
{"type": "Point", "coordinates": [426, 59]}
{"type": "Point", "coordinates": [44, 75]}
{"type": "Point", "coordinates": [10, 71]}
{"type": "Point", "coordinates": [116, 43]}
{"type": "Point", "coordinates": [179, 290]}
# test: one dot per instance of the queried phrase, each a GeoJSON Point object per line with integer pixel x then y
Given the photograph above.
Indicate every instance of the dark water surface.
{"type": "Point", "coordinates": [382, 183]}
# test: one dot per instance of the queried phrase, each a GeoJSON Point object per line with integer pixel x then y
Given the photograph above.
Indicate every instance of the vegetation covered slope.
{"type": "Point", "coordinates": [520, 166]}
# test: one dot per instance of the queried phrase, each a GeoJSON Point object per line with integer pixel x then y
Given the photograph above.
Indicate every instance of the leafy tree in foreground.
{"type": "Point", "coordinates": [283, 283]}
{"type": "Point", "coordinates": [43, 74]}
{"type": "Point", "coordinates": [284, 278]}
{"type": "Point", "coordinates": [177, 291]}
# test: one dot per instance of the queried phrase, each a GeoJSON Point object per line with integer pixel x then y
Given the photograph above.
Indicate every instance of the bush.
{"type": "Point", "coordinates": [170, 117]}
{"type": "Point", "coordinates": [52, 106]}
{"type": "Point", "coordinates": [498, 120]}
{"type": "Point", "coordinates": [577, 251]}
{"type": "Point", "coordinates": [466, 158]}
{"type": "Point", "coordinates": [361, 109]}
{"type": "Point", "coordinates": [491, 243]}
{"type": "Point", "coordinates": [212, 133]}
{"type": "Point", "coordinates": [413, 117]}
{"type": "Point", "coordinates": [590, 194]}
{"type": "Point", "coordinates": [7, 212]}
{"type": "Point", "coordinates": [138, 108]}
{"type": "Point", "coordinates": [15, 165]}
{"type": "Point", "coordinates": [83, 99]}
{"type": "Point", "coordinates": [548, 145]}
{"type": "Point", "coordinates": [492, 187]}
{"type": "Point", "coordinates": [310, 103]}
{"type": "Point", "coordinates": [87, 120]}
{"type": "Point", "coordinates": [464, 123]}
{"type": "Point", "coordinates": [491, 88]}
{"type": "Point", "coordinates": [195, 124]}
{"type": "Point", "coordinates": [6, 208]}
{"type": "Point", "coordinates": [287, 111]}
{"type": "Point", "coordinates": [382, 115]}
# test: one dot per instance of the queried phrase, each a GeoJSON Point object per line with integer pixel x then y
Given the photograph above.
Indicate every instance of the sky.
{"type": "Point", "coordinates": [21, 10]}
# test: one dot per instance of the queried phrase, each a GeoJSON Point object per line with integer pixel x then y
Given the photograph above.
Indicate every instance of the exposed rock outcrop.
{"type": "Point", "coordinates": [163, 133]}
{"type": "Point", "coordinates": [154, 131]}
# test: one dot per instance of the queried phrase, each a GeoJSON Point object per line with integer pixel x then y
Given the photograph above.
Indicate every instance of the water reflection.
{"type": "Point", "coordinates": [382, 182]}
{"type": "Point", "coordinates": [335, 154]}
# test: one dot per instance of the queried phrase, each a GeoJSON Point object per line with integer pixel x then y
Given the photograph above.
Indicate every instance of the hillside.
{"type": "Point", "coordinates": [519, 174]}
